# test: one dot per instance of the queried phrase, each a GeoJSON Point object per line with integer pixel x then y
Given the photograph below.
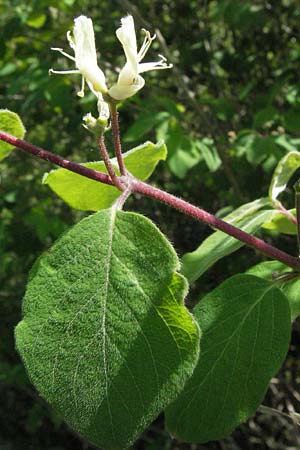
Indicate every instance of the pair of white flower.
{"type": "Point", "coordinates": [129, 80]}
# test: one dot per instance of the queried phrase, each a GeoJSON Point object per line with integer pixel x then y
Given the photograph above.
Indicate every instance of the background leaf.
{"type": "Point", "coordinates": [11, 123]}
{"type": "Point", "coordinates": [246, 329]}
{"type": "Point", "coordinates": [105, 336]}
{"type": "Point", "coordinates": [89, 195]}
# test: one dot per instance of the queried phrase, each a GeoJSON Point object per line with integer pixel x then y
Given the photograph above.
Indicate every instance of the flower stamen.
{"type": "Point", "coordinates": [62, 52]}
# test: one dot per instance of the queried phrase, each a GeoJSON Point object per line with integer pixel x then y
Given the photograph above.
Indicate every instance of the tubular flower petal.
{"type": "Point", "coordinates": [83, 44]}
{"type": "Point", "coordinates": [129, 80]}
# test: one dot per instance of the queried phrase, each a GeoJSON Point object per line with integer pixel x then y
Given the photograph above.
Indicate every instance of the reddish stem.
{"type": "Point", "coordinates": [116, 134]}
{"type": "Point", "coordinates": [287, 213]}
{"type": "Point", "coordinates": [150, 191]}
{"type": "Point", "coordinates": [108, 164]}
{"type": "Point", "coordinates": [210, 219]}
{"type": "Point", "coordinates": [55, 159]}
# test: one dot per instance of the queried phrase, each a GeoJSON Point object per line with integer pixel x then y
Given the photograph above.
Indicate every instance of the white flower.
{"type": "Point", "coordinates": [129, 80]}
{"type": "Point", "coordinates": [83, 44]}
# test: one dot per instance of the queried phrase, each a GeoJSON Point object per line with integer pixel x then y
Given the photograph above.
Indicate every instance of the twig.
{"type": "Point", "coordinates": [287, 213]}
{"type": "Point", "coordinates": [116, 134]}
{"type": "Point", "coordinates": [155, 193]}
{"type": "Point", "coordinates": [213, 221]}
{"type": "Point", "coordinates": [108, 164]}
{"type": "Point", "coordinates": [294, 417]}
{"type": "Point", "coordinates": [55, 159]}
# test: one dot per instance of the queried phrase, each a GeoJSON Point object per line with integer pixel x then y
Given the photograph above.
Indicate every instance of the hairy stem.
{"type": "Point", "coordinates": [108, 164]}
{"type": "Point", "coordinates": [157, 194]}
{"type": "Point", "coordinates": [55, 159]}
{"type": "Point", "coordinates": [210, 219]}
{"type": "Point", "coordinates": [116, 134]}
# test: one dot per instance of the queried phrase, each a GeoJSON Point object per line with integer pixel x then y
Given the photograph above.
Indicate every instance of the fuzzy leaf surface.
{"type": "Point", "coordinates": [105, 336]}
{"type": "Point", "coordinates": [89, 195]}
{"type": "Point", "coordinates": [249, 217]}
{"type": "Point", "coordinates": [245, 326]}
{"type": "Point", "coordinates": [11, 123]}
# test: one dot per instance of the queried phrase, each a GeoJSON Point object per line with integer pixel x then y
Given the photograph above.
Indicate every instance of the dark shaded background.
{"type": "Point", "coordinates": [229, 110]}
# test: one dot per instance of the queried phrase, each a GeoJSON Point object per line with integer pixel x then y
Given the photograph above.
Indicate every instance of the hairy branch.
{"type": "Point", "coordinates": [55, 159]}
{"type": "Point", "coordinates": [157, 194]}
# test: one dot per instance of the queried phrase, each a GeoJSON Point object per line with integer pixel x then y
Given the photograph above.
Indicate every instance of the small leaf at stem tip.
{"type": "Point", "coordinates": [105, 335]}
{"type": "Point", "coordinates": [11, 123]}
{"type": "Point", "coordinates": [89, 195]}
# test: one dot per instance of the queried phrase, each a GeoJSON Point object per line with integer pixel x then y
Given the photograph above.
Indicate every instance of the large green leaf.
{"type": "Point", "coordinates": [105, 336]}
{"type": "Point", "coordinates": [89, 195]}
{"type": "Point", "coordinates": [282, 277]}
{"type": "Point", "coordinates": [245, 326]}
{"type": "Point", "coordinates": [283, 172]}
{"type": "Point", "coordinates": [248, 217]}
{"type": "Point", "coordinates": [11, 123]}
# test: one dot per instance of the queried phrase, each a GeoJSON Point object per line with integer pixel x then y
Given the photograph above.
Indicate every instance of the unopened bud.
{"type": "Point", "coordinates": [96, 126]}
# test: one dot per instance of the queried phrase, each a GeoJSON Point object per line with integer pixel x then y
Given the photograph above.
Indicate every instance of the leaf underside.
{"type": "Point", "coordinates": [105, 336]}
{"type": "Point", "coordinates": [245, 325]}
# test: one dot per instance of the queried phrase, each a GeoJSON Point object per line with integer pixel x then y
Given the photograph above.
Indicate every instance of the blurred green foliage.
{"type": "Point", "coordinates": [228, 111]}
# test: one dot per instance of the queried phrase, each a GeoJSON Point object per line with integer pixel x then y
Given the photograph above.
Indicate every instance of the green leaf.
{"type": "Point", "coordinates": [183, 160]}
{"type": "Point", "coordinates": [11, 123]}
{"type": "Point", "coordinates": [245, 326]}
{"type": "Point", "coordinates": [144, 124]}
{"type": "Point", "coordinates": [248, 217]}
{"type": "Point", "coordinates": [292, 121]}
{"type": "Point", "coordinates": [283, 172]}
{"type": "Point", "coordinates": [271, 271]}
{"type": "Point", "coordinates": [265, 116]}
{"type": "Point", "coordinates": [184, 153]}
{"type": "Point", "coordinates": [105, 337]}
{"type": "Point", "coordinates": [209, 153]}
{"type": "Point", "coordinates": [282, 223]}
{"type": "Point", "coordinates": [89, 195]}
{"type": "Point", "coordinates": [36, 20]}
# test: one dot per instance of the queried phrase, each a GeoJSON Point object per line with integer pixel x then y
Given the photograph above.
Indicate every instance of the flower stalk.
{"type": "Point", "coordinates": [116, 134]}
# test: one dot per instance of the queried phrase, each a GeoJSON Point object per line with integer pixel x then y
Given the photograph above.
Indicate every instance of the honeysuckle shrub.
{"type": "Point", "coordinates": [267, 214]}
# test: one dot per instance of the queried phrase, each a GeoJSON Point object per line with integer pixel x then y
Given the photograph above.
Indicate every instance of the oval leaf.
{"type": "Point", "coordinates": [245, 326]}
{"type": "Point", "coordinates": [105, 336]}
{"type": "Point", "coordinates": [249, 217]}
{"type": "Point", "coordinates": [89, 195]}
{"type": "Point", "coordinates": [11, 123]}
